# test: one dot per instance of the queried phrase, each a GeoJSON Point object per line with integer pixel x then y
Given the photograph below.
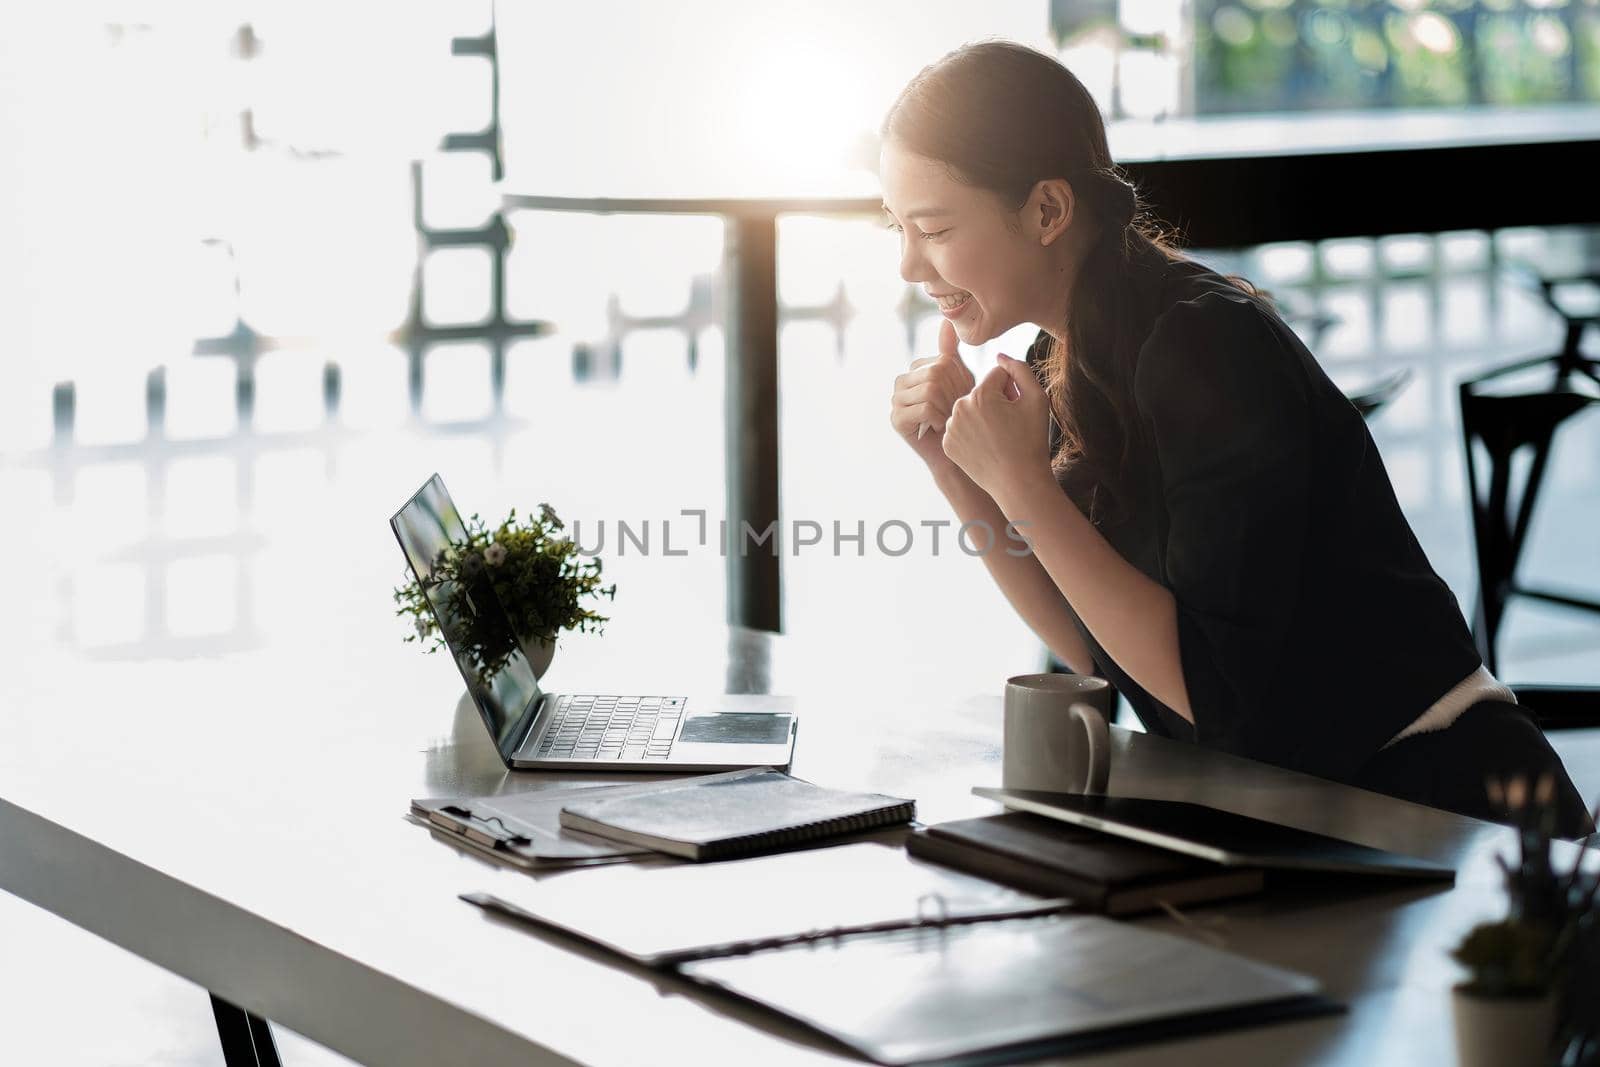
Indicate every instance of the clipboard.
{"type": "Point", "coordinates": [524, 829]}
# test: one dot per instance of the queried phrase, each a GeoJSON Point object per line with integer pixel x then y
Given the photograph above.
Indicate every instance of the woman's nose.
{"type": "Point", "coordinates": [912, 266]}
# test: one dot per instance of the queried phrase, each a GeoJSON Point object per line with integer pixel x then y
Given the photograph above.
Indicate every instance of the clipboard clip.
{"type": "Point", "coordinates": [485, 829]}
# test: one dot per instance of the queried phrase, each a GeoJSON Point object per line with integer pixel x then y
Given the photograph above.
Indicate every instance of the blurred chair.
{"type": "Point", "coordinates": [1369, 399]}
{"type": "Point", "coordinates": [492, 237]}
{"type": "Point", "coordinates": [1312, 323]}
{"type": "Point", "coordinates": [1557, 707]}
{"type": "Point", "coordinates": [1500, 425]}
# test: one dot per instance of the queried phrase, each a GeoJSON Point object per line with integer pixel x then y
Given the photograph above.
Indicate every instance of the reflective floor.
{"type": "Point", "coordinates": [171, 541]}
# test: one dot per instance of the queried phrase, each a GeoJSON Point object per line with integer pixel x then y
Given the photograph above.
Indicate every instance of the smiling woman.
{"type": "Point", "coordinates": [1211, 527]}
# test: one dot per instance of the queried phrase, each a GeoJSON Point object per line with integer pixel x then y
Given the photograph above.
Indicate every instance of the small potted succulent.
{"type": "Point", "coordinates": [531, 570]}
{"type": "Point", "coordinates": [1519, 997]}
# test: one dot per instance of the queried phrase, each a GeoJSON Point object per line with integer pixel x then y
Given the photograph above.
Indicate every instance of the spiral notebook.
{"type": "Point", "coordinates": [734, 814]}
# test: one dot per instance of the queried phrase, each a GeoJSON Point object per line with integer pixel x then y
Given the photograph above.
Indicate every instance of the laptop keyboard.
{"type": "Point", "coordinates": [589, 726]}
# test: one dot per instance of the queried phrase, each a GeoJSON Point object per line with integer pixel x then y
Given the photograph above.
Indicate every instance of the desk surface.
{"type": "Point", "coordinates": [239, 820]}
{"type": "Point", "coordinates": [286, 880]}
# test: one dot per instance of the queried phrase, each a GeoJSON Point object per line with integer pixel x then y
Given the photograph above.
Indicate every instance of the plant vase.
{"type": "Point", "coordinates": [538, 653]}
{"type": "Point", "coordinates": [1492, 1031]}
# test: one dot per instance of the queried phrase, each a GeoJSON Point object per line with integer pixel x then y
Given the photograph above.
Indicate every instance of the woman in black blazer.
{"type": "Point", "coordinates": [1211, 526]}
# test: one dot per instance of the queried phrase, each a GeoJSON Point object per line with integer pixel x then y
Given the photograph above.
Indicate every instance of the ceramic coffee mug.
{"type": "Point", "coordinates": [1056, 733]}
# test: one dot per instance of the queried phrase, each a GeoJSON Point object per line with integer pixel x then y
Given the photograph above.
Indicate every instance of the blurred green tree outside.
{"type": "Point", "coordinates": [1288, 55]}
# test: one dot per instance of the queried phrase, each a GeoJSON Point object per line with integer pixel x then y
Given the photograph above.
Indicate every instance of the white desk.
{"type": "Point", "coordinates": [239, 820]}
{"type": "Point", "coordinates": [287, 882]}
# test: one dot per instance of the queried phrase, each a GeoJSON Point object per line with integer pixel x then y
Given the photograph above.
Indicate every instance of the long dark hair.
{"type": "Point", "coordinates": [1004, 117]}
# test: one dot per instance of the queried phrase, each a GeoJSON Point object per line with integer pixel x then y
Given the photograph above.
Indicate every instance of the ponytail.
{"type": "Point", "coordinates": [1090, 378]}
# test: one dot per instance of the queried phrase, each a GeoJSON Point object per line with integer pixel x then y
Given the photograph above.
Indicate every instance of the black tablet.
{"type": "Point", "coordinates": [1211, 833]}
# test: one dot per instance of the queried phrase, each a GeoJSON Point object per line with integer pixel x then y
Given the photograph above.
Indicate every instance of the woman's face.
{"type": "Point", "coordinates": [955, 243]}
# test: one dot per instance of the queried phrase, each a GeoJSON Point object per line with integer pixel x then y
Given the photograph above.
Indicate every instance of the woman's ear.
{"type": "Point", "coordinates": [1051, 208]}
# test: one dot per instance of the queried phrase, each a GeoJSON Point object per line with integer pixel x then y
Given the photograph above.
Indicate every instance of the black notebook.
{"type": "Point", "coordinates": [1012, 989]}
{"type": "Point", "coordinates": [1097, 871]}
{"type": "Point", "coordinates": [734, 814]}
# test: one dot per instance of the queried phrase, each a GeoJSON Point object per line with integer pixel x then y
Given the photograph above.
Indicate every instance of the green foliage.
{"type": "Point", "coordinates": [1292, 55]}
{"type": "Point", "coordinates": [1508, 958]}
{"type": "Point", "coordinates": [532, 570]}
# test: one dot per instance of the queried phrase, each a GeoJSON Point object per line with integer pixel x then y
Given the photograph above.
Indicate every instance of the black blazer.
{"type": "Point", "coordinates": [1310, 624]}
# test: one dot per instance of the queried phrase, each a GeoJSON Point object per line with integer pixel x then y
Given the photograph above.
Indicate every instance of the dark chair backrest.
{"type": "Point", "coordinates": [1385, 389]}
{"type": "Point", "coordinates": [1556, 707]}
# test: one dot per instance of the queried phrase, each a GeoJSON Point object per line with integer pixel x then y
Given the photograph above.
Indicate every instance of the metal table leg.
{"type": "Point", "coordinates": [751, 419]}
{"type": "Point", "coordinates": [246, 1039]}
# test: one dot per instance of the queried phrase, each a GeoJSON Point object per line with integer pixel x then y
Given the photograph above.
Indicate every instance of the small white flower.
{"type": "Point", "coordinates": [452, 554]}
{"type": "Point", "coordinates": [422, 627]}
{"type": "Point", "coordinates": [495, 554]}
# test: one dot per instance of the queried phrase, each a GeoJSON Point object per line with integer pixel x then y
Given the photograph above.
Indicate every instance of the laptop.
{"type": "Point", "coordinates": [539, 730]}
{"type": "Point", "coordinates": [1223, 837]}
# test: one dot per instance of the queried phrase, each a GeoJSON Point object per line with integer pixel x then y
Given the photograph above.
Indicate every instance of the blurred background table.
{"type": "Point", "coordinates": [750, 399]}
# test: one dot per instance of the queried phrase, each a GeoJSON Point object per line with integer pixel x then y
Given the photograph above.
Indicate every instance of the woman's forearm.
{"type": "Point", "coordinates": [1134, 618]}
{"type": "Point", "coordinates": [1031, 591]}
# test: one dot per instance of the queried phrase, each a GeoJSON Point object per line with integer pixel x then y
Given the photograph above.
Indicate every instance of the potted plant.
{"type": "Point", "coordinates": [526, 567]}
{"type": "Point", "coordinates": [1509, 1009]}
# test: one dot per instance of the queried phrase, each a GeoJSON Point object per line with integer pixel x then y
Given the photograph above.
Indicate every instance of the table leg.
{"type": "Point", "coordinates": [246, 1039]}
{"type": "Point", "coordinates": [751, 421]}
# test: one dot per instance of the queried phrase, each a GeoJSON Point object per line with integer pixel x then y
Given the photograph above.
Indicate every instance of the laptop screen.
{"type": "Point", "coordinates": [425, 527]}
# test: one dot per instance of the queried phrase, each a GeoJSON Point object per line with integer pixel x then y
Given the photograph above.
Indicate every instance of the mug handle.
{"type": "Point", "coordinates": [1097, 734]}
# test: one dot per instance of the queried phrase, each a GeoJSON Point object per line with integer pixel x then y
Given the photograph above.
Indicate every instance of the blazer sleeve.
{"type": "Point", "coordinates": [1226, 406]}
